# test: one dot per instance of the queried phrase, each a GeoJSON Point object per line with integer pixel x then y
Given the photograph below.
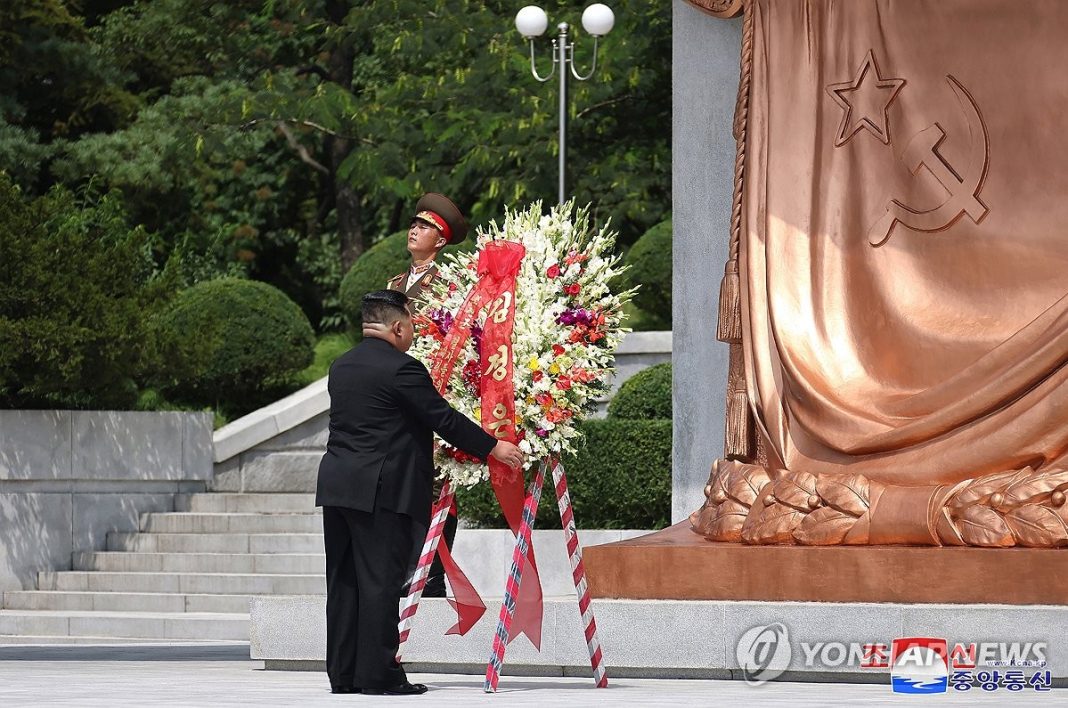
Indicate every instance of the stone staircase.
{"type": "Point", "coordinates": [187, 575]}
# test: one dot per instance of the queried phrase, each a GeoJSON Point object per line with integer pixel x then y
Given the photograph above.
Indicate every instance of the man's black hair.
{"type": "Point", "coordinates": [384, 307]}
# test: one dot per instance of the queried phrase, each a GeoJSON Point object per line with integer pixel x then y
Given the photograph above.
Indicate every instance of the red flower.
{"type": "Point", "coordinates": [472, 376]}
{"type": "Point", "coordinates": [582, 375]}
{"type": "Point", "coordinates": [544, 400]}
{"type": "Point", "coordinates": [575, 336]}
{"type": "Point", "coordinates": [459, 455]}
{"type": "Point", "coordinates": [558, 350]}
{"type": "Point", "coordinates": [573, 289]}
{"type": "Point", "coordinates": [554, 271]}
{"type": "Point", "coordinates": [537, 375]}
{"type": "Point", "coordinates": [563, 383]}
{"type": "Point", "coordinates": [555, 415]}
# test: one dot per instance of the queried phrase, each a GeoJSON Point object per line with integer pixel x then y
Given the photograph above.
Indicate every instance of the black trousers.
{"type": "Point", "coordinates": [366, 560]}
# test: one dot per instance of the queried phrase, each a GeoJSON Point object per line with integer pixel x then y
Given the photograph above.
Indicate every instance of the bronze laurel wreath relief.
{"type": "Point", "coordinates": [1013, 508]}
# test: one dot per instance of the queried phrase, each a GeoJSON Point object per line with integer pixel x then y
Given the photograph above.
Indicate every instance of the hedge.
{"type": "Point", "coordinates": [230, 341]}
{"type": "Point", "coordinates": [620, 479]}
{"type": "Point", "coordinates": [650, 268]}
{"type": "Point", "coordinates": [644, 396]}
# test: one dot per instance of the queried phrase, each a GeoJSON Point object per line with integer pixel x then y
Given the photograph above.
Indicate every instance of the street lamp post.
{"type": "Point", "coordinates": [531, 21]}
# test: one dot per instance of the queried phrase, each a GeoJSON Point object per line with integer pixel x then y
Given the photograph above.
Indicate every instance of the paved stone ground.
{"type": "Point", "coordinates": [221, 675]}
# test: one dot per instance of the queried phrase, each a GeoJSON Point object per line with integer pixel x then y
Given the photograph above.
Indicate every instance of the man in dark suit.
{"type": "Point", "coordinates": [437, 222]}
{"type": "Point", "coordinates": [375, 489]}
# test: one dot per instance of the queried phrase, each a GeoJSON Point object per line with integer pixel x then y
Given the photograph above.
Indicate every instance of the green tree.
{"type": "Point", "coordinates": [440, 97]}
{"type": "Point", "coordinates": [76, 285]}
{"type": "Point", "coordinates": [280, 139]}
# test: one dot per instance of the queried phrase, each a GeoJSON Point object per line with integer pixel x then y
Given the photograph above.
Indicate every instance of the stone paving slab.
{"type": "Point", "coordinates": [215, 676]}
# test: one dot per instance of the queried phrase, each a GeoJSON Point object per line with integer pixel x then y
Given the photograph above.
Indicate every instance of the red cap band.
{"type": "Point", "coordinates": [437, 221]}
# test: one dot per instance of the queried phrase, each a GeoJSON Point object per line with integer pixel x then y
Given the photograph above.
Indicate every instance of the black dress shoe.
{"type": "Point", "coordinates": [404, 689]}
{"type": "Point", "coordinates": [344, 689]}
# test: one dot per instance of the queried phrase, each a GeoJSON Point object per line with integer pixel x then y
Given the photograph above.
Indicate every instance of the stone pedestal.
{"type": "Point", "coordinates": [677, 564]}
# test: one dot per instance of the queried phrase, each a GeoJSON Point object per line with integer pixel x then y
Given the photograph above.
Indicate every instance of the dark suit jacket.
{"type": "Point", "coordinates": [383, 413]}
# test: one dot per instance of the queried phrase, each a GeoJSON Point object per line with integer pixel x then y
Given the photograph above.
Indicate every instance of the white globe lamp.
{"type": "Point", "coordinates": [598, 20]}
{"type": "Point", "coordinates": [531, 21]}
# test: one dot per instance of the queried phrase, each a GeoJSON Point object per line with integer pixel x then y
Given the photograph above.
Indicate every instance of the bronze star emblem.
{"type": "Point", "coordinates": [866, 102]}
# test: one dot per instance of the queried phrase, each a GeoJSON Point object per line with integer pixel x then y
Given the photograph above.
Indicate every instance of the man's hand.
{"type": "Point", "coordinates": [508, 453]}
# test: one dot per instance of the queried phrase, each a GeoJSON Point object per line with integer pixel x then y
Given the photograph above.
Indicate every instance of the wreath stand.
{"type": "Point", "coordinates": [440, 513]}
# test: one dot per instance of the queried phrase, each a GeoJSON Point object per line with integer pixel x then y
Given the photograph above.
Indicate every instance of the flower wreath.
{"type": "Point", "coordinates": [567, 327]}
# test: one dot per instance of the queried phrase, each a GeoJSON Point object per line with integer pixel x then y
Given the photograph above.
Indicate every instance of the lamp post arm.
{"type": "Point", "coordinates": [571, 62]}
{"type": "Point", "coordinates": [534, 67]}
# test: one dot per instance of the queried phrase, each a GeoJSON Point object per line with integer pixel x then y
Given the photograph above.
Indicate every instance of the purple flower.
{"type": "Point", "coordinates": [442, 318]}
{"type": "Point", "coordinates": [575, 315]}
{"type": "Point", "coordinates": [541, 433]}
{"type": "Point", "coordinates": [476, 337]}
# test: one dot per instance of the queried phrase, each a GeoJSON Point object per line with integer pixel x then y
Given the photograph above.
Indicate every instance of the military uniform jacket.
{"type": "Point", "coordinates": [384, 411]}
{"type": "Point", "coordinates": [418, 291]}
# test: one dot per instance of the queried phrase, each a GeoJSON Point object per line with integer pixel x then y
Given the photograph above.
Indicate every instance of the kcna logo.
{"type": "Point", "coordinates": [919, 665]}
{"type": "Point", "coordinates": [866, 101]}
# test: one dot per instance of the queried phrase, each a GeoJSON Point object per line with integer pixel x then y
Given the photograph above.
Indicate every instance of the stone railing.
{"type": "Point", "coordinates": [69, 477]}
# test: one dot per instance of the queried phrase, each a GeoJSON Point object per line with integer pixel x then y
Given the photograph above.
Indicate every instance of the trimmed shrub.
{"type": "Point", "coordinates": [620, 479]}
{"type": "Point", "coordinates": [230, 341]}
{"type": "Point", "coordinates": [644, 396]}
{"type": "Point", "coordinates": [76, 286]}
{"type": "Point", "coordinates": [650, 267]}
{"type": "Point", "coordinates": [372, 271]}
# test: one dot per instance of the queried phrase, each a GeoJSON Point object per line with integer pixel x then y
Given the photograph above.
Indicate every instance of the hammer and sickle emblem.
{"type": "Point", "coordinates": [963, 189]}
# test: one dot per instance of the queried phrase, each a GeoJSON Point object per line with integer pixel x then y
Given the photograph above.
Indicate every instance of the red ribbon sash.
{"type": "Point", "coordinates": [498, 267]}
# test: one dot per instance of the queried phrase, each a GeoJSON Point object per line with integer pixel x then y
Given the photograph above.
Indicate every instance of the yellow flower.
{"type": "Point", "coordinates": [554, 369]}
{"type": "Point", "coordinates": [478, 414]}
{"type": "Point", "coordinates": [533, 364]}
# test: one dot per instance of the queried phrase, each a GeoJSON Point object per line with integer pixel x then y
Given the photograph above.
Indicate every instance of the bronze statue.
{"type": "Point", "coordinates": [896, 299]}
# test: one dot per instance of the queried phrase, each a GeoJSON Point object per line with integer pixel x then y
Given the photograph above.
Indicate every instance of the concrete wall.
{"type": "Point", "coordinates": [69, 477]}
{"type": "Point", "coordinates": [253, 456]}
{"type": "Point", "coordinates": [286, 462]}
{"type": "Point", "coordinates": [704, 86]}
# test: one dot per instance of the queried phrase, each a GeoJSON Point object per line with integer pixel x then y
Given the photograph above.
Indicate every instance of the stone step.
{"type": "Point", "coordinates": [123, 601]}
{"type": "Point", "coordinates": [216, 542]}
{"type": "Point", "coordinates": [192, 583]}
{"type": "Point", "coordinates": [147, 625]}
{"type": "Point", "coordinates": [278, 563]}
{"type": "Point", "coordinates": [38, 641]}
{"type": "Point", "coordinates": [254, 502]}
{"type": "Point", "coordinates": [193, 522]}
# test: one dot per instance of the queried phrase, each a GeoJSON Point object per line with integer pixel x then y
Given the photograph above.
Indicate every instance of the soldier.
{"type": "Point", "coordinates": [437, 223]}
